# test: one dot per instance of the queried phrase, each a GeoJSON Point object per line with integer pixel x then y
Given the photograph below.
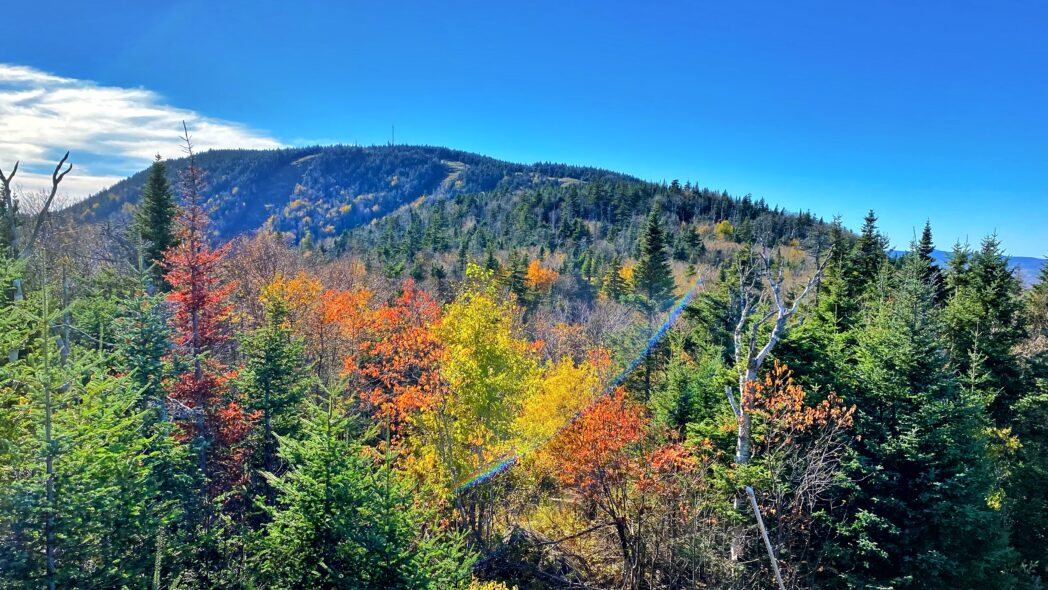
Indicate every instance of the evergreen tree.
{"type": "Point", "coordinates": [274, 381]}
{"type": "Point", "coordinates": [956, 274]}
{"type": "Point", "coordinates": [653, 277]}
{"type": "Point", "coordinates": [932, 275]}
{"type": "Point", "coordinates": [82, 499]}
{"type": "Point", "coordinates": [923, 469]}
{"type": "Point", "coordinates": [342, 522]}
{"type": "Point", "coordinates": [143, 341]}
{"type": "Point", "coordinates": [1037, 303]}
{"type": "Point", "coordinates": [985, 320]}
{"type": "Point", "coordinates": [614, 286]}
{"type": "Point", "coordinates": [155, 218]}
{"type": "Point", "coordinates": [868, 256]}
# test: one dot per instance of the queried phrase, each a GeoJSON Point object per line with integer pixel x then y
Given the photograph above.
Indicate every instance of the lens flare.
{"type": "Point", "coordinates": [505, 464]}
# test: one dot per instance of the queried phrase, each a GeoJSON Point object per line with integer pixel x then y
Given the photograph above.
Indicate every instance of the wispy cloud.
{"type": "Point", "coordinates": [111, 131]}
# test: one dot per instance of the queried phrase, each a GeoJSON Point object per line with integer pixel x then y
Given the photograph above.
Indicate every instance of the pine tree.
{"type": "Point", "coordinates": [155, 218]}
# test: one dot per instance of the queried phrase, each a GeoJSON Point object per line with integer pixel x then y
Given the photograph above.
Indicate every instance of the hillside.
{"type": "Point", "coordinates": [321, 191]}
{"type": "Point", "coordinates": [425, 211]}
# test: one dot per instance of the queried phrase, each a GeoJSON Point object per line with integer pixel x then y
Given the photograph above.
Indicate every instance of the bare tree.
{"type": "Point", "coordinates": [760, 302]}
{"type": "Point", "coordinates": [18, 249]}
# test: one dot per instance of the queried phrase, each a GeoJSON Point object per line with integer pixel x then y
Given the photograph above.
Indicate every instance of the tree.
{"type": "Point", "coordinates": [869, 255]}
{"type": "Point", "coordinates": [923, 514]}
{"type": "Point", "coordinates": [198, 392]}
{"type": "Point", "coordinates": [615, 286]}
{"type": "Point", "coordinates": [932, 275]}
{"type": "Point", "coordinates": [597, 458]}
{"type": "Point", "coordinates": [652, 284]}
{"type": "Point", "coordinates": [143, 341]}
{"type": "Point", "coordinates": [984, 319]}
{"type": "Point", "coordinates": [653, 276]}
{"type": "Point", "coordinates": [83, 500]}
{"type": "Point", "coordinates": [155, 219]}
{"type": "Point", "coordinates": [274, 381]}
{"type": "Point", "coordinates": [489, 368]}
{"type": "Point", "coordinates": [539, 279]}
{"type": "Point", "coordinates": [760, 302]}
{"type": "Point", "coordinates": [397, 366]}
{"type": "Point", "coordinates": [341, 521]}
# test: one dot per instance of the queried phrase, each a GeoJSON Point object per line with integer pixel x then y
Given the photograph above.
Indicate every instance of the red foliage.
{"type": "Point", "coordinates": [398, 361]}
{"type": "Point", "coordinates": [594, 454]}
{"type": "Point", "coordinates": [200, 393]}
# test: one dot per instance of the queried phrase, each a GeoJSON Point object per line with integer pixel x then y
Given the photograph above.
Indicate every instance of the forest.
{"type": "Point", "coordinates": [412, 367]}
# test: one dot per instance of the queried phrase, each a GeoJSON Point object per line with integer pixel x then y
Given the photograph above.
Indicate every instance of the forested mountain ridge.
{"type": "Point", "coordinates": [322, 191]}
{"type": "Point", "coordinates": [426, 211]}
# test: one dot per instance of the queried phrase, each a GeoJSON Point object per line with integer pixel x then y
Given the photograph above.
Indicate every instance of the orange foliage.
{"type": "Point", "coordinates": [780, 401]}
{"type": "Point", "coordinates": [538, 278]}
{"type": "Point", "coordinates": [594, 453]}
{"type": "Point", "coordinates": [398, 362]}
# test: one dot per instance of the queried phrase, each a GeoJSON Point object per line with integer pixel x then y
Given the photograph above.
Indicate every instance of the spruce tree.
{"type": "Point", "coordinates": [341, 521]}
{"type": "Point", "coordinates": [920, 516]}
{"type": "Point", "coordinates": [932, 274]}
{"type": "Point", "coordinates": [1037, 303]}
{"type": "Point", "coordinates": [985, 319]}
{"type": "Point", "coordinates": [155, 218]}
{"type": "Point", "coordinates": [614, 286]}
{"type": "Point", "coordinates": [653, 277]}
{"type": "Point", "coordinates": [868, 256]}
{"type": "Point", "coordinates": [274, 381]}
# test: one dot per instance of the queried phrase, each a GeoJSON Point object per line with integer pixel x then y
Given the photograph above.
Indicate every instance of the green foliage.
{"type": "Point", "coordinates": [82, 480]}
{"type": "Point", "coordinates": [275, 380]}
{"type": "Point", "coordinates": [653, 277]}
{"type": "Point", "coordinates": [344, 522]}
{"type": "Point", "coordinates": [155, 219]}
{"type": "Point", "coordinates": [922, 511]}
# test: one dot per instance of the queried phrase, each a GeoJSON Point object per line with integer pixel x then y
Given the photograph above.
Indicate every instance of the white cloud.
{"type": "Point", "coordinates": [116, 129]}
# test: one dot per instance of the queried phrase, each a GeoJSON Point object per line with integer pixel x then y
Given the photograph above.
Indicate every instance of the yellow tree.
{"type": "Point", "coordinates": [490, 369]}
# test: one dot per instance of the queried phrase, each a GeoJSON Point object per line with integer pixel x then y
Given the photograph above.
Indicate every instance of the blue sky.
{"type": "Point", "coordinates": [917, 109]}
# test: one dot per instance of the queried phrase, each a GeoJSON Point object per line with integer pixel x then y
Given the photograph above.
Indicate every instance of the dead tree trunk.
{"type": "Point", "coordinates": [760, 302]}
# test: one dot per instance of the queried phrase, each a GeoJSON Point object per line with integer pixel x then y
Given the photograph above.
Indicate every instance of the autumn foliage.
{"type": "Point", "coordinates": [206, 413]}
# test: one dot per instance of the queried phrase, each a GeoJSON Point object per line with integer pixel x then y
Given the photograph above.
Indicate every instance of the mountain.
{"type": "Point", "coordinates": [320, 192]}
{"type": "Point", "coordinates": [426, 210]}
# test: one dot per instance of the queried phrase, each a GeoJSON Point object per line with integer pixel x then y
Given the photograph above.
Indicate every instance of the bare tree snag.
{"type": "Point", "coordinates": [21, 251]}
{"type": "Point", "coordinates": [761, 301]}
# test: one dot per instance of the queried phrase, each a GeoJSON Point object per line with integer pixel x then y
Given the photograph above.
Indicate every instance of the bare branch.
{"type": "Point", "coordinates": [731, 401]}
{"type": "Point", "coordinates": [41, 216]}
